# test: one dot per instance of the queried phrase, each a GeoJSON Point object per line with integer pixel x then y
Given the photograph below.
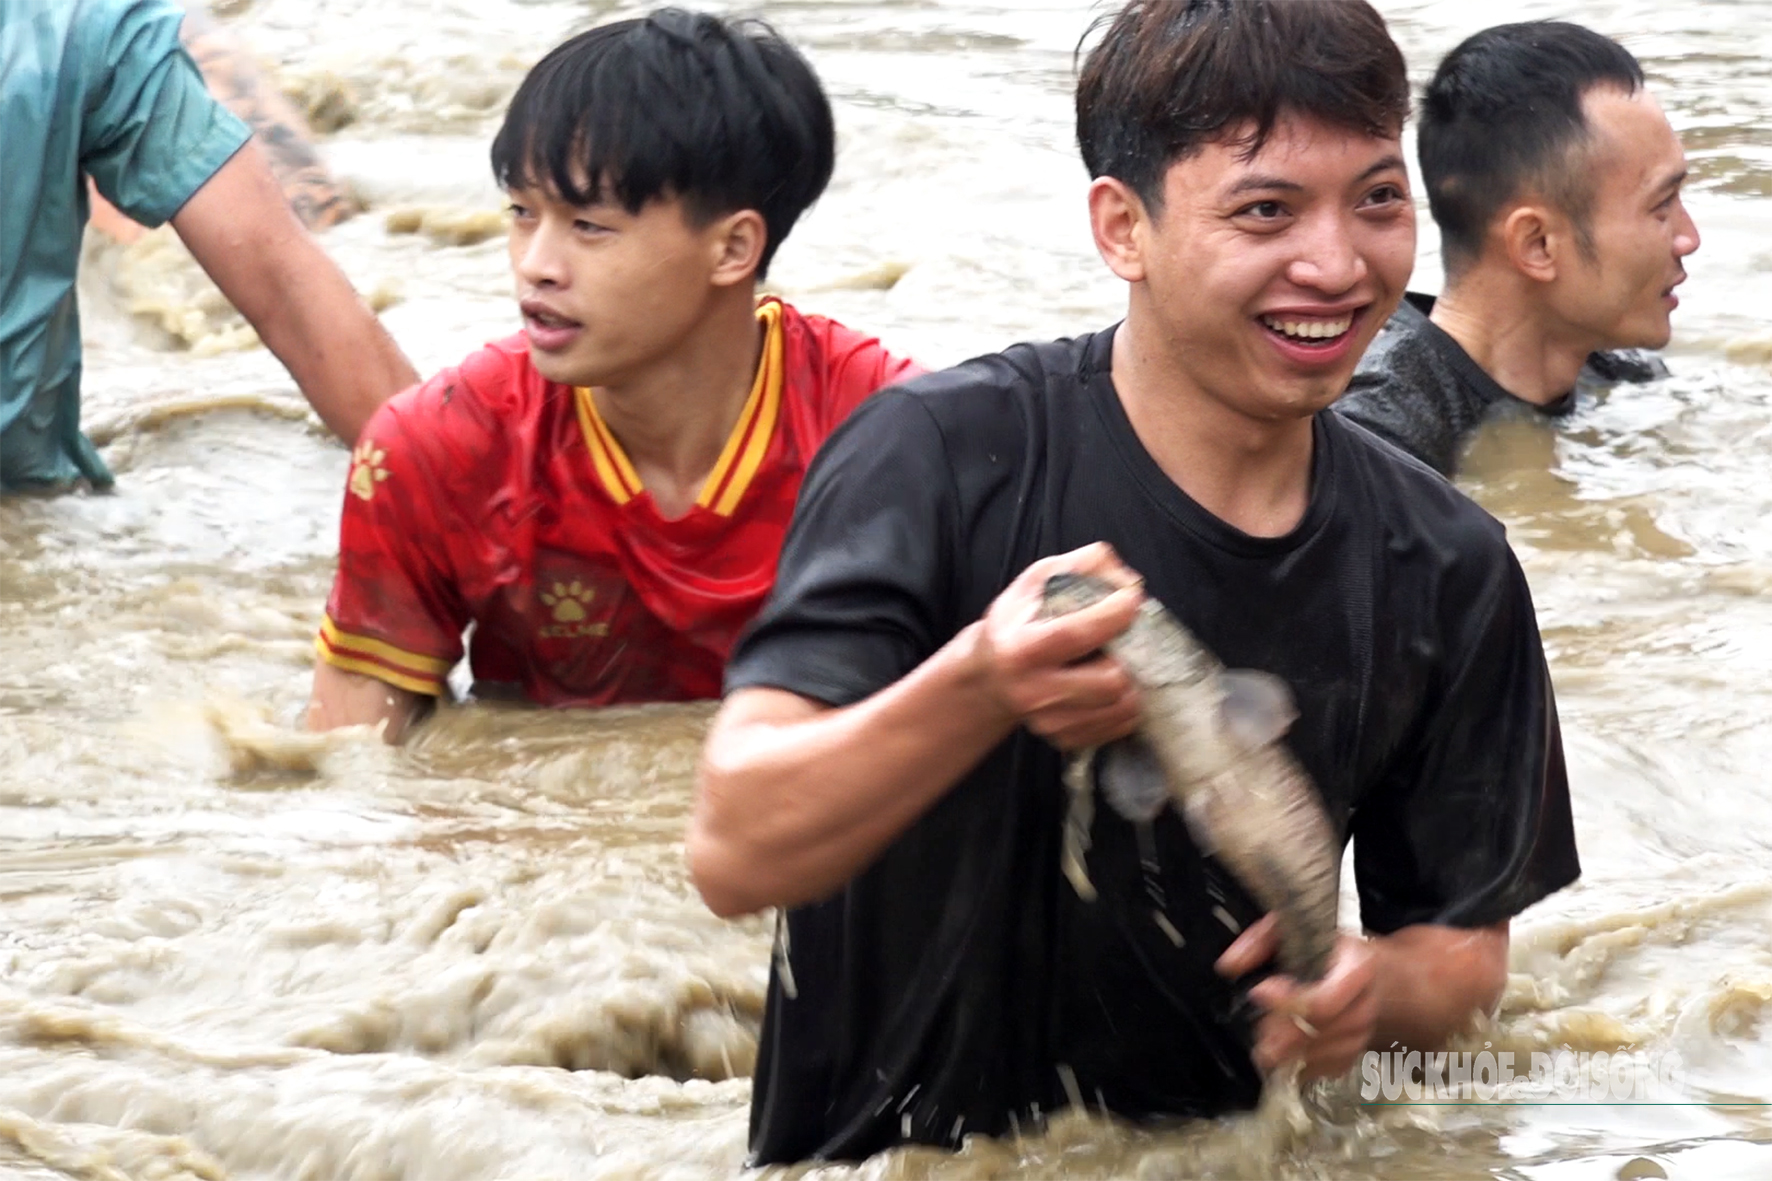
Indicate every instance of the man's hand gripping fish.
{"type": "Point", "coordinates": [1209, 743]}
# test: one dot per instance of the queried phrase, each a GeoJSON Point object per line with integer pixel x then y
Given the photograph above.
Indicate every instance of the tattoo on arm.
{"type": "Point", "coordinates": [280, 129]}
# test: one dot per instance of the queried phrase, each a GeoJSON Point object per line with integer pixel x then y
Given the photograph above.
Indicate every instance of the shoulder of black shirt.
{"type": "Point", "coordinates": [1418, 389]}
{"type": "Point", "coordinates": [1603, 369]}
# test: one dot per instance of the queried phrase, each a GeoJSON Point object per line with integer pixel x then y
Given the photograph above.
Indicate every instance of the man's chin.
{"type": "Point", "coordinates": [1652, 331]}
{"type": "Point", "coordinates": [562, 370]}
{"type": "Point", "coordinates": [1647, 338]}
{"type": "Point", "coordinates": [1305, 398]}
{"type": "Point", "coordinates": [1295, 404]}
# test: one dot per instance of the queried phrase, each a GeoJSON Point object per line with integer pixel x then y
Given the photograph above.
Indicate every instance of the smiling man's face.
{"type": "Point", "coordinates": [1273, 273]}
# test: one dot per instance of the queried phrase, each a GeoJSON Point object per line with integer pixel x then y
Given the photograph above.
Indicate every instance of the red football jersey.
{"type": "Point", "coordinates": [491, 496]}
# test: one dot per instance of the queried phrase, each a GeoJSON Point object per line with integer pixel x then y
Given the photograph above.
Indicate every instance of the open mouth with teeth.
{"type": "Point", "coordinates": [1310, 333]}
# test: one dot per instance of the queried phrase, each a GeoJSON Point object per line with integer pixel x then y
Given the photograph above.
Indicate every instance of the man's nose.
{"type": "Point", "coordinates": [538, 258]}
{"type": "Point", "coordinates": [1686, 238]}
{"type": "Point", "coordinates": [1329, 259]}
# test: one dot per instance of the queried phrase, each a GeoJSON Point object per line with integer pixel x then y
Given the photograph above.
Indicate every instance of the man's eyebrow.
{"type": "Point", "coordinates": [1258, 181]}
{"type": "Point", "coordinates": [1384, 165]}
{"type": "Point", "coordinates": [1265, 183]}
{"type": "Point", "coordinates": [1672, 182]}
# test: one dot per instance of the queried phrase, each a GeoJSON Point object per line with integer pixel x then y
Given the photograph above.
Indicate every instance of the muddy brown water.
{"type": "Point", "coordinates": [230, 950]}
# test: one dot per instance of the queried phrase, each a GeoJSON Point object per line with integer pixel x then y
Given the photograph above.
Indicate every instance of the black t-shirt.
{"type": "Point", "coordinates": [1417, 388]}
{"type": "Point", "coordinates": [959, 985]}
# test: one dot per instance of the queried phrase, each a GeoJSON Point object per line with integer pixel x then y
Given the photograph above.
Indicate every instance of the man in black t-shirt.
{"type": "Point", "coordinates": [886, 767]}
{"type": "Point", "coordinates": [1555, 180]}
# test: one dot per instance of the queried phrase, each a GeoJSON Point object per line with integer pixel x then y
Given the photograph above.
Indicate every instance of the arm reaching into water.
{"type": "Point", "coordinates": [394, 620]}
{"type": "Point", "coordinates": [343, 698]}
{"type": "Point", "coordinates": [795, 798]}
{"type": "Point", "coordinates": [243, 233]}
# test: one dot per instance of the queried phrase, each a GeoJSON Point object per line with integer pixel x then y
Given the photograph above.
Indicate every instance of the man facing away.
{"type": "Point", "coordinates": [103, 88]}
{"type": "Point", "coordinates": [886, 766]}
{"type": "Point", "coordinates": [604, 495]}
{"type": "Point", "coordinates": [1555, 180]}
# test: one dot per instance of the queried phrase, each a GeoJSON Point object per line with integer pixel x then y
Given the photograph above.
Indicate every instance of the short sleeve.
{"type": "Point", "coordinates": [856, 366]}
{"type": "Point", "coordinates": [863, 590]}
{"type": "Point", "coordinates": [151, 134]}
{"type": "Point", "coordinates": [1472, 823]}
{"type": "Point", "coordinates": [394, 613]}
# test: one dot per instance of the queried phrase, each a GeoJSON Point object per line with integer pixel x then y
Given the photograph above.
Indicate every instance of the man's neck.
{"type": "Point", "coordinates": [1497, 320]}
{"type": "Point", "coordinates": [1252, 474]}
{"type": "Point", "coordinates": [674, 417]}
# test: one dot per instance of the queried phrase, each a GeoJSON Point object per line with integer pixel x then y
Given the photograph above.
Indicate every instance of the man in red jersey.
{"type": "Point", "coordinates": [604, 497]}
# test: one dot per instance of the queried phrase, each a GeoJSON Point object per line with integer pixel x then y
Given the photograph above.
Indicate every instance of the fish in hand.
{"type": "Point", "coordinates": [1209, 744]}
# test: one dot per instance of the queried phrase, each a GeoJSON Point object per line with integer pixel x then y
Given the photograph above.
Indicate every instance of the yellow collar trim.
{"type": "Point", "coordinates": [745, 447]}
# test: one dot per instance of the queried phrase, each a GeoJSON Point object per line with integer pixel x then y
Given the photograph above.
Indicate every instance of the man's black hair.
{"type": "Point", "coordinates": [1502, 118]}
{"type": "Point", "coordinates": [1170, 76]}
{"type": "Point", "coordinates": [723, 114]}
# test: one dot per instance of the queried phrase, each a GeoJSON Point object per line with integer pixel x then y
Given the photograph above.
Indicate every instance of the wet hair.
{"type": "Point", "coordinates": [1502, 117]}
{"type": "Point", "coordinates": [1168, 77]}
{"type": "Point", "coordinates": [722, 114]}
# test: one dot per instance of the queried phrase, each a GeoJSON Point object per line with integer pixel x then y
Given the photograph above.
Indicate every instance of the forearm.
{"type": "Point", "coordinates": [341, 698]}
{"type": "Point", "coordinates": [242, 232]}
{"type": "Point", "coordinates": [1433, 980]}
{"type": "Point", "coordinates": [339, 354]}
{"type": "Point", "coordinates": [789, 811]}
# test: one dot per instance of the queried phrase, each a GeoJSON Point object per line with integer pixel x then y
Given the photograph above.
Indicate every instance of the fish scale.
{"type": "Point", "coordinates": [1209, 744]}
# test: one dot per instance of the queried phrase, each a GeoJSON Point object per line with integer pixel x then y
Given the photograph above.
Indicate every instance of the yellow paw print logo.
{"type": "Point", "coordinates": [569, 602]}
{"type": "Point", "coordinates": [367, 470]}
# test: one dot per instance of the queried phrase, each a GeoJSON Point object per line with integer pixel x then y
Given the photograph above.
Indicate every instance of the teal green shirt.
{"type": "Point", "coordinates": [87, 87]}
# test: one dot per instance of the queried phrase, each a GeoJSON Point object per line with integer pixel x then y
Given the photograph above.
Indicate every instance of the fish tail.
{"type": "Point", "coordinates": [1076, 825]}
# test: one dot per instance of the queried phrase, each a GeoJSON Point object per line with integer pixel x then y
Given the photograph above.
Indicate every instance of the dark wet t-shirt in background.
{"type": "Point", "coordinates": [1417, 388]}
{"type": "Point", "coordinates": [959, 985]}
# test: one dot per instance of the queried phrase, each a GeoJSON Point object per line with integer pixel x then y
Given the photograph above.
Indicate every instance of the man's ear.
{"type": "Point", "coordinates": [1118, 218]}
{"type": "Point", "coordinates": [737, 241]}
{"type": "Point", "coordinates": [1536, 240]}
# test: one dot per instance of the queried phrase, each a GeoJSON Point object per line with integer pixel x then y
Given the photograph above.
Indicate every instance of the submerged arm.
{"type": "Point", "coordinates": [343, 698]}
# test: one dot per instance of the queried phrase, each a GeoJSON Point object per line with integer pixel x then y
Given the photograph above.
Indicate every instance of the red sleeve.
{"type": "Point", "coordinates": [855, 366]}
{"type": "Point", "coordinates": [394, 613]}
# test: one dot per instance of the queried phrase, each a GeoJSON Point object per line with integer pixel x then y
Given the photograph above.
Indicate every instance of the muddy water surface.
{"type": "Point", "coordinates": [231, 950]}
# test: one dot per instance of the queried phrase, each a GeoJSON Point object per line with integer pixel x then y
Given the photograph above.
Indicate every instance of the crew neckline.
{"type": "Point", "coordinates": [1467, 368]}
{"type": "Point", "coordinates": [1095, 372]}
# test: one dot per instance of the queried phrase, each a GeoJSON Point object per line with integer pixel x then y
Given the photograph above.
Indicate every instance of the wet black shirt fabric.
{"type": "Point", "coordinates": [1417, 388]}
{"type": "Point", "coordinates": [959, 985]}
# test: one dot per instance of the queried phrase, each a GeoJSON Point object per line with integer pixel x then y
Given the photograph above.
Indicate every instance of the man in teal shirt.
{"type": "Point", "coordinates": [103, 88]}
